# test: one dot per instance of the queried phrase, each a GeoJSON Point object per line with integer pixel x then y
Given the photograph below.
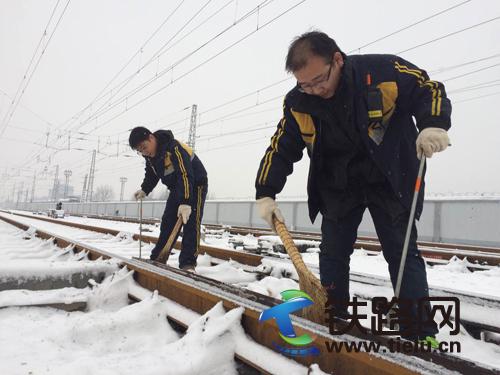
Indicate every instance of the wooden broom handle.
{"type": "Point", "coordinates": [290, 247]}
{"type": "Point", "coordinates": [165, 252]}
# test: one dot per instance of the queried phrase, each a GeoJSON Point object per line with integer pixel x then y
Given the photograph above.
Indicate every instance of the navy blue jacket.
{"type": "Point", "coordinates": [388, 133]}
{"type": "Point", "coordinates": [176, 165]}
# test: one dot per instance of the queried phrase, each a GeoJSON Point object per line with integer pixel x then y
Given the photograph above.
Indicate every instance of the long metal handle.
{"type": "Point", "coordinates": [411, 220]}
{"type": "Point", "coordinates": [140, 228]}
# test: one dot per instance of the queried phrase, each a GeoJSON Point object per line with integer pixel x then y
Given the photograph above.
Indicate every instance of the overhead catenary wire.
{"type": "Point", "coordinates": [144, 44]}
{"type": "Point", "coordinates": [266, 2]}
{"type": "Point", "coordinates": [441, 70]}
{"type": "Point", "coordinates": [472, 72]}
{"type": "Point", "coordinates": [477, 97]}
{"type": "Point", "coordinates": [77, 115]}
{"type": "Point", "coordinates": [127, 130]}
{"type": "Point", "coordinates": [237, 132]}
{"type": "Point", "coordinates": [427, 18]}
{"type": "Point", "coordinates": [452, 67]}
{"type": "Point", "coordinates": [237, 144]}
{"type": "Point", "coordinates": [449, 34]}
{"type": "Point", "coordinates": [477, 86]}
{"type": "Point", "coordinates": [8, 116]}
{"type": "Point", "coordinates": [252, 129]}
{"type": "Point", "coordinates": [170, 68]}
{"type": "Point", "coordinates": [412, 25]}
{"type": "Point", "coordinates": [202, 138]}
{"type": "Point", "coordinates": [232, 101]}
{"type": "Point", "coordinates": [38, 62]}
{"type": "Point", "coordinates": [115, 90]}
{"type": "Point", "coordinates": [225, 117]}
{"type": "Point", "coordinates": [35, 52]}
{"type": "Point", "coordinates": [204, 62]}
{"type": "Point", "coordinates": [28, 109]}
{"type": "Point", "coordinates": [198, 66]}
{"type": "Point", "coordinates": [126, 154]}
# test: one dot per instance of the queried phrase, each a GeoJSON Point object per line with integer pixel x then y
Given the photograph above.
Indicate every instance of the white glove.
{"type": "Point", "coordinates": [139, 194]}
{"type": "Point", "coordinates": [267, 207]}
{"type": "Point", "coordinates": [431, 140]}
{"type": "Point", "coordinates": [184, 211]}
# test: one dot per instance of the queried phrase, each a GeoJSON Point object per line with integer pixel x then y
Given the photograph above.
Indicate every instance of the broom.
{"type": "Point", "coordinates": [308, 282]}
{"type": "Point", "coordinates": [165, 252]}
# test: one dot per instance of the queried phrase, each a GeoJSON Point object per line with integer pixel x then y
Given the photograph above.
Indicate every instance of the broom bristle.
{"type": "Point", "coordinates": [308, 282]}
{"type": "Point", "coordinates": [312, 286]}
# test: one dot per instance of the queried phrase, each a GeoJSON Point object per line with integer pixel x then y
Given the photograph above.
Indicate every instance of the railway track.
{"type": "Point", "coordinates": [429, 250]}
{"type": "Point", "coordinates": [479, 330]}
{"type": "Point", "coordinates": [199, 293]}
{"type": "Point", "coordinates": [480, 257]}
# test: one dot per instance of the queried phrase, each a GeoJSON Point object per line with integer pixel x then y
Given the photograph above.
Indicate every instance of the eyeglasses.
{"type": "Point", "coordinates": [309, 87]}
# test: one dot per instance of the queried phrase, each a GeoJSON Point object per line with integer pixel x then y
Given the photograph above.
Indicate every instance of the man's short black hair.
{"type": "Point", "coordinates": [312, 43]}
{"type": "Point", "coordinates": [138, 135]}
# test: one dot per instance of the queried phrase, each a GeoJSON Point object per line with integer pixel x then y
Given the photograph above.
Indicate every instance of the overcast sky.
{"type": "Point", "coordinates": [109, 49]}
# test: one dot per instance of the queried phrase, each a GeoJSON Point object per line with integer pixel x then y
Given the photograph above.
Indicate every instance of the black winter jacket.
{"type": "Point", "coordinates": [387, 94]}
{"type": "Point", "coordinates": [176, 165]}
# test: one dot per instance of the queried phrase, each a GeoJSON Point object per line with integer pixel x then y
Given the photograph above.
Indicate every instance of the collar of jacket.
{"type": "Point", "coordinates": [163, 136]}
{"type": "Point", "coordinates": [315, 105]}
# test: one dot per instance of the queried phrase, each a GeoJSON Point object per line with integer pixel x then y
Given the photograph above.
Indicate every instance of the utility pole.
{"type": "Point", "coordinates": [84, 190]}
{"type": "Point", "coordinates": [90, 187]}
{"type": "Point", "coordinates": [55, 187]}
{"type": "Point", "coordinates": [26, 195]}
{"type": "Point", "coordinates": [67, 175]}
{"type": "Point", "coordinates": [192, 127]}
{"type": "Point", "coordinates": [122, 180]}
{"type": "Point", "coordinates": [33, 188]}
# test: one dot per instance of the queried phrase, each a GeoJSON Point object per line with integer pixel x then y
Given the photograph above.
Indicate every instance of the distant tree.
{"type": "Point", "coordinates": [104, 193]}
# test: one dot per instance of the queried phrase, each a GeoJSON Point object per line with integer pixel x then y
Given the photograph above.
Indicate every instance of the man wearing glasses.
{"type": "Point", "coordinates": [354, 115]}
{"type": "Point", "coordinates": [176, 165]}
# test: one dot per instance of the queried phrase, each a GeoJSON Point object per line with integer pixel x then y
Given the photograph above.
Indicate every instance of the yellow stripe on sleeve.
{"type": "Point", "coordinates": [183, 173]}
{"type": "Point", "coordinates": [432, 85]}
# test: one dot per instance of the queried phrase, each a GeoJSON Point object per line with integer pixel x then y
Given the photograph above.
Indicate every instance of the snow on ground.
{"type": "Point", "coordinates": [23, 297]}
{"type": "Point", "coordinates": [453, 276]}
{"type": "Point", "coordinates": [115, 338]}
{"type": "Point", "coordinates": [27, 268]}
{"type": "Point", "coordinates": [111, 336]}
{"type": "Point", "coordinates": [24, 256]}
{"type": "Point", "coordinates": [122, 244]}
{"type": "Point", "coordinates": [226, 272]}
{"type": "Point", "coordinates": [273, 286]}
